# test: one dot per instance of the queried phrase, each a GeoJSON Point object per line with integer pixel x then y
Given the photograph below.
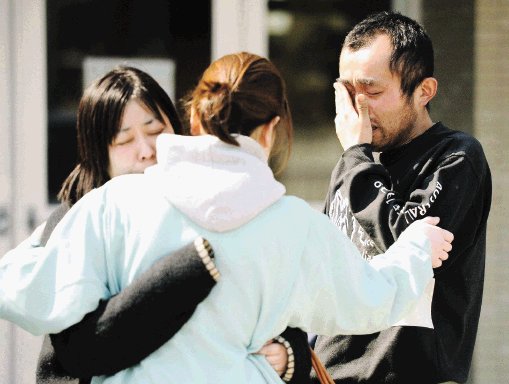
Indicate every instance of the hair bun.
{"type": "Point", "coordinates": [223, 89]}
{"type": "Point", "coordinates": [216, 104]}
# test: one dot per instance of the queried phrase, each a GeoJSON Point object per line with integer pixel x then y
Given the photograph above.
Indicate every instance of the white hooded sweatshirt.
{"type": "Point", "coordinates": [281, 262]}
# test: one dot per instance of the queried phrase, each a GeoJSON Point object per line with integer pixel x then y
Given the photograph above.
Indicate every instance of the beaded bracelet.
{"type": "Point", "coordinates": [206, 254]}
{"type": "Point", "coordinates": [290, 367]}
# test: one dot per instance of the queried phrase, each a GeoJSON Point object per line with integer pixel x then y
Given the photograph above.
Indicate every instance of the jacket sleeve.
{"type": "Point", "coordinates": [129, 326]}
{"type": "Point", "coordinates": [450, 188]}
{"type": "Point", "coordinates": [338, 292]}
{"type": "Point", "coordinates": [49, 370]}
{"type": "Point", "coordinates": [44, 289]}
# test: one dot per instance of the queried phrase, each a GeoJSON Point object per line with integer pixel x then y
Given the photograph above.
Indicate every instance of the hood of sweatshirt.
{"type": "Point", "coordinates": [217, 185]}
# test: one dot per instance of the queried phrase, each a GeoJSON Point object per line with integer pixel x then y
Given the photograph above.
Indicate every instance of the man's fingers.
{"type": "Point", "coordinates": [342, 98]}
{"type": "Point", "coordinates": [352, 123]}
{"type": "Point", "coordinates": [447, 247]}
{"type": "Point", "coordinates": [361, 102]}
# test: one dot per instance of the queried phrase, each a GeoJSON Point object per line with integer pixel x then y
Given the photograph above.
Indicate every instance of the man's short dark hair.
{"type": "Point", "coordinates": [412, 55]}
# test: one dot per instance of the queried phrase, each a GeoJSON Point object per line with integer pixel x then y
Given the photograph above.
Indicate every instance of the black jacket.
{"type": "Point", "coordinates": [116, 335]}
{"type": "Point", "coordinates": [441, 173]}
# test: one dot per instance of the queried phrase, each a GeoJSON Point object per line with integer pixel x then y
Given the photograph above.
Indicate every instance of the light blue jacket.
{"type": "Point", "coordinates": [281, 263]}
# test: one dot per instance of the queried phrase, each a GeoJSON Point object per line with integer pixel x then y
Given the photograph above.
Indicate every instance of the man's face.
{"type": "Point", "coordinates": [392, 114]}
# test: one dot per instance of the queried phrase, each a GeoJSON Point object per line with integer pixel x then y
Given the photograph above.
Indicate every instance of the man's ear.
{"type": "Point", "coordinates": [194, 122]}
{"type": "Point", "coordinates": [427, 91]}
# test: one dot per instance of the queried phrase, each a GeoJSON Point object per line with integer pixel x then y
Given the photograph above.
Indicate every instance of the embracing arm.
{"type": "Point", "coordinates": [341, 293]}
{"type": "Point", "coordinates": [48, 289]}
{"type": "Point", "coordinates": [39, 285]}
{"type": "Point", "coordinates": [145, 314]}
{"type": "Point", "coordinates": [129, 326]}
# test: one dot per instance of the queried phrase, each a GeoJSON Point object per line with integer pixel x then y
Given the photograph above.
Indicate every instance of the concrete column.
{"type": "Point", "coordinates": [239, 25]}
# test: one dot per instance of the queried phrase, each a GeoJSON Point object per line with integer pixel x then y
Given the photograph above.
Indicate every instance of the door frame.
{"type": "Point", "coordinates": [23, 103]}
{"type": "Point", "coordinates": [23, 195]}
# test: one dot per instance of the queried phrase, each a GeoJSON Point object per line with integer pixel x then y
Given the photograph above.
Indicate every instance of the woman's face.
{"type": "Point", "coordinates": [134, 147]}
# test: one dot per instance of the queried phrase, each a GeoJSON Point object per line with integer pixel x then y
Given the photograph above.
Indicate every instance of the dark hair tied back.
{"type": "Point", "coordinates": [237, 94]}
{"type": "Point", "coordinates": [217, 104]}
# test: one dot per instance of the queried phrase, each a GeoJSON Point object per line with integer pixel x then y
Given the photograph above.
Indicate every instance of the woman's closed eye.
{"type": "Point", "coordinates": [154, 127]}
{"type": "Point", "coordinates": [122, 141]}
{"type": "Point", "coordinates": [157, 131]}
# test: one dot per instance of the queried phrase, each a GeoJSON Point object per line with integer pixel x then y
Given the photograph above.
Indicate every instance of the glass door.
{"type": "Point", "coordinates": [91, 36]}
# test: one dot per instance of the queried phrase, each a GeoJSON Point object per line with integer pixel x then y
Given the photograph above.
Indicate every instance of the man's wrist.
{"type": "Point", "coordinates": [363, 149]}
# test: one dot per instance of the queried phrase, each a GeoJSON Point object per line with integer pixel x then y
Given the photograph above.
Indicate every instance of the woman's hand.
{"type": "Point", "coordinates": [439, 238]}
{"type": "Point", "coordinates": [276, 355]}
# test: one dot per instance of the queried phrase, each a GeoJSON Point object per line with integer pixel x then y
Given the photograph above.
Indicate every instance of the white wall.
{"type": "Point", "coordinates": [239, 25]}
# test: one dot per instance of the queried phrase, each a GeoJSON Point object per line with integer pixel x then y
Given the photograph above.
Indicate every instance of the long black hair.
{"type": "Point", "coordinates": [98, 122]}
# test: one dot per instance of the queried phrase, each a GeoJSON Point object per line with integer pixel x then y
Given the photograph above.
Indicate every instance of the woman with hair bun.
{"type": "Point", "coordinates": [119, 117]}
